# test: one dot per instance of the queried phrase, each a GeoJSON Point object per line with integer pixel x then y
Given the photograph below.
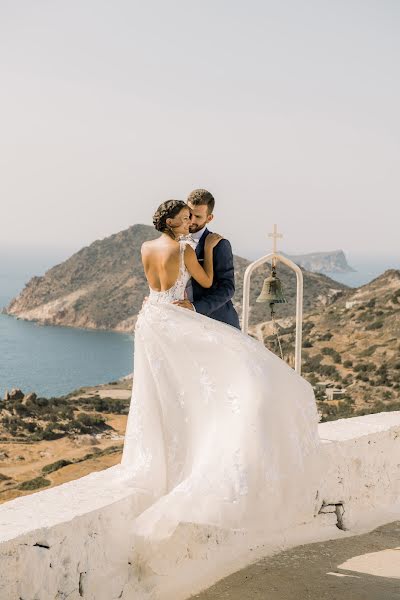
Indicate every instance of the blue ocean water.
{"type": "Point", "coordinates": [52, 361]}
{"type": "Point", "coordinates": [55, 360]}
{"type": "Point", "coordinates": [366, 269]}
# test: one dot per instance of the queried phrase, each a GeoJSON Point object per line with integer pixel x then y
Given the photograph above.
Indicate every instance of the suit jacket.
{"type": "Point", "coordinates": [215, 302]}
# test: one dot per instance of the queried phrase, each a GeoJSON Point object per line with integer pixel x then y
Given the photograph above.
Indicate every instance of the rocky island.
{"type": "Point", "coordinates": [323, 262]}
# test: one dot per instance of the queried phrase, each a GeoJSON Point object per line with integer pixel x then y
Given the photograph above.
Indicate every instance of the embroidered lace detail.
{"type": "Point", "coordinates": [233, 400]}
{"type": "Point", "coordinates": [176, 291]}
{"type": "Point", "coordinates": [207, 385]}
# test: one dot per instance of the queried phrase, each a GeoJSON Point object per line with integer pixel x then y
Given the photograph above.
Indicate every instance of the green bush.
{"type": "Point", "coordinates": [87, 423]}
{"type": "Point", "coordinates": [362, 376]}
{"type": "Point", "coordinates": [331, 352]}
{"type": "Point", "coordinates": [326, 337]}
{"type": "Point", "coordinates": [364, 367]}
{"type": "Point", "coordinates": [34, 484]}
{"type": "Point", "coordinates": [375, 325]}
{"type": "Point", "coordinates": [59, 464]}
{"type": "Point", "coordinates": [328, 371]}
{"type": "Point", "coordinates": [287, 330]}
{"type": "Point", "coordinates": [50, 434]}
{"type": "Point", "coordinates": [312, 363]}
{"type": "Point", "coordinates": [41, 402]}
{"type": "Point", "coordinates": [30, 426]}
{"type": "Point", "coordinates": [22, 410]}
{"type": "Point", "coordinates": [97, 452]}
{"type": "Point", "coordinates": [105, 405]}
{"type": "Point", "coordinates": [379, 406]}
{"type": "Point", "coordinates": [91, 420]}
{"type": "Point", "coordinates": [331, 412]}
{"type": "Point", "coordinates": [396, 296]}
{"type": "Point", "coordinates": [311, 378]}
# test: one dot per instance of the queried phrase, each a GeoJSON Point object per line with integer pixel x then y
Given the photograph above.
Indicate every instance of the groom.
{"type": "Point", "coordinates": [215, 302]}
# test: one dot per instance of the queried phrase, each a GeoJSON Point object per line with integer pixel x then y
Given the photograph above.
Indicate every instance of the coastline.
{"type": "Point", "coordinates": [52, 360]}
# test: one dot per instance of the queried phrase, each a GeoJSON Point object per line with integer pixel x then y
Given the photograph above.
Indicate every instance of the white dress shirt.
{"type": "Point", "coordinates": [189, 288]}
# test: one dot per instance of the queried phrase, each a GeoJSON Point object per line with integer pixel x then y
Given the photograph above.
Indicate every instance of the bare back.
{"type": "Point", "coordinates": [160, 260]}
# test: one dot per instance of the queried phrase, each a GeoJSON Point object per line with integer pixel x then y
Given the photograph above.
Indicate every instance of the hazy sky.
{"type": "Point", "coordinates": [288, 111]}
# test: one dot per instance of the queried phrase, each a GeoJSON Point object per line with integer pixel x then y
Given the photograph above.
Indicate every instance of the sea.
{"type": "Point", "coordinates": [365, 269]}
{"type": "Point", "coordinates": [52, 360]}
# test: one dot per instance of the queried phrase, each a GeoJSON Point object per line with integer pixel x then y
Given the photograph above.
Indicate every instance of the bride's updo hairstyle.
{"type": "Point", "coordinates": [167, 210]}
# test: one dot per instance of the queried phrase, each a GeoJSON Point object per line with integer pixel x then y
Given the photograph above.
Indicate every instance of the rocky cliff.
{"type": "Point", "coordinates": [103, 285]}
{"type": "Point", "coordinates": [323, 262]}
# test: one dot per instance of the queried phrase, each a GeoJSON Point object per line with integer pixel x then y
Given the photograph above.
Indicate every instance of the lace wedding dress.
{"type": "Point", "coordinates": [220, 430]}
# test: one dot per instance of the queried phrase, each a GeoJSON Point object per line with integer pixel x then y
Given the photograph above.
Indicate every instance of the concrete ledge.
{"type": "Point", "coordinates": [362, 461]}
{"type": "Point", "coordinates": [72, 541]}
{"type": "Point", "coordinates": [357, 427]}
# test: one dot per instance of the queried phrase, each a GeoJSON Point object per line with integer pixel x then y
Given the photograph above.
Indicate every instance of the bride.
{"type": "Point", "coordinates": [220, 430]}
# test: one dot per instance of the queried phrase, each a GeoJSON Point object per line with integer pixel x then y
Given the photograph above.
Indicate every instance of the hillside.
{"type": "Point", "coordinates": [103, 285]}
{"type": "Point", "coordinates": [352, 345]}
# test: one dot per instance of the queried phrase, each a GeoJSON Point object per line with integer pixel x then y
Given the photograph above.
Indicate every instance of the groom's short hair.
{"type": "Point", "coordinates": [202, 197]}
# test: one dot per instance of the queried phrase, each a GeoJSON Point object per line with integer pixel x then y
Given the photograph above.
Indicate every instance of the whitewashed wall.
{"type": "Point", "coordinates": [72, 541]}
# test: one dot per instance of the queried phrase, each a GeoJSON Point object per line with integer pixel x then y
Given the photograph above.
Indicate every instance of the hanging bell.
{"type": "Point", "coordinates": [272, 290]}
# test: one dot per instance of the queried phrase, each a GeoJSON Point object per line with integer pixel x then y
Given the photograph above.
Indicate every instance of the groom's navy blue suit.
{"type": "Point", "coordinates": [216, 302]}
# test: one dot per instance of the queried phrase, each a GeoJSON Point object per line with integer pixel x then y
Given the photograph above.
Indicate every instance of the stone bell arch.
{"type": "Point", "coordinates": [275, 257]}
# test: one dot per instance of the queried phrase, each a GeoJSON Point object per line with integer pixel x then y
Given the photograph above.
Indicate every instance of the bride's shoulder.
{"type": "Point", "coordinates": [154, 249]}
{"type": "Point", "coordinates": [148, 249]}
{"type": "Point", "coordinates": [150, 245]}
{"type": "Point", "coordinates": [145, 247]}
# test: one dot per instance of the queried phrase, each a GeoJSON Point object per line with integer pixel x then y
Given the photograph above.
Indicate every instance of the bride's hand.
{"type": "Point", "coordinates": [212, 240]}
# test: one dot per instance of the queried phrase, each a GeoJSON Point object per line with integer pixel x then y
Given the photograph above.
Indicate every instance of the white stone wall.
{"type": "Point", "coordinates": [362, 459]}
{"type": "Point", "coordinates": [72, 541]}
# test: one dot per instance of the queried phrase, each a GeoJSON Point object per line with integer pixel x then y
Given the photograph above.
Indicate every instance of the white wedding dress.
{"type": "Point", "coordinates": [220, 430]}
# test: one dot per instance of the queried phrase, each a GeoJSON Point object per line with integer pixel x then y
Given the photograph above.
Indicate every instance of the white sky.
{"type": "Point", "coordinates": [289, 112]}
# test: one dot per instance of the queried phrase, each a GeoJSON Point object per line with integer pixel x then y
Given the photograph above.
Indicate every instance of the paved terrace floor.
{"type": "Point", "coordinates": [364, 567]}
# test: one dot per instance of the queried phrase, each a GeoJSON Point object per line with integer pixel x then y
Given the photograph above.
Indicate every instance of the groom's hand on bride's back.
{"type": "Point", "coordinates": [184, 304]}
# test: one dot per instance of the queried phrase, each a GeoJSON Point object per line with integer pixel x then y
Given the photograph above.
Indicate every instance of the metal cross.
{"type": "Point", "coordinates": [275, 235]}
